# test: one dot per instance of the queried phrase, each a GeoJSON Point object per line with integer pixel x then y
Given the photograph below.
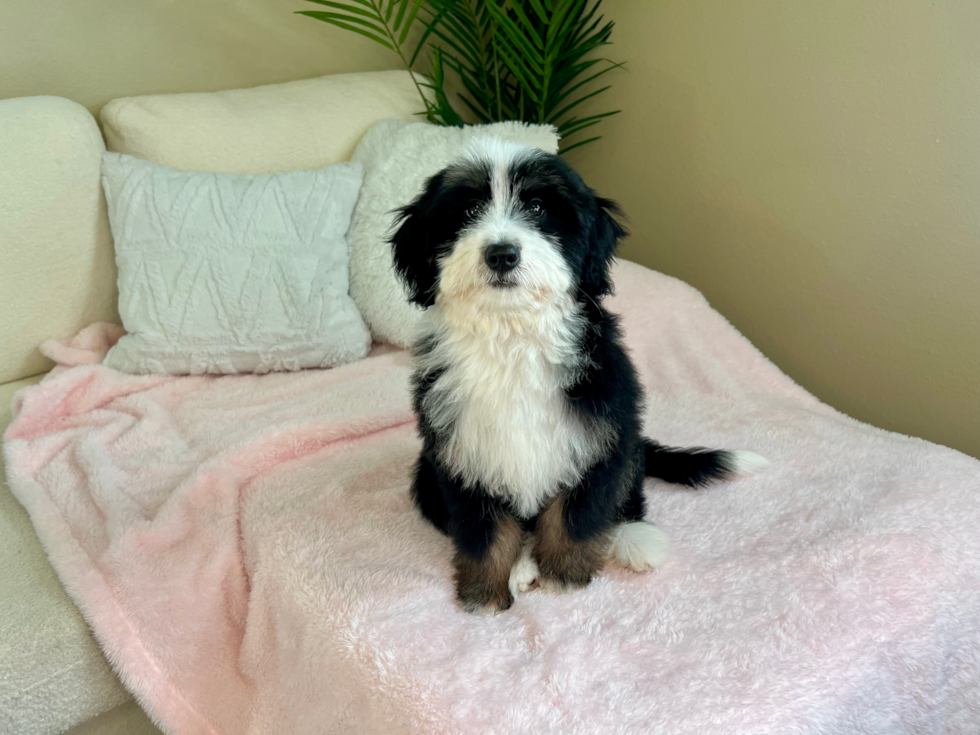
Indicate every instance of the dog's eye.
{"type": "Point", "coordinates": [472, 210]}
{"type": "Point", "coordinates": [535, 207]}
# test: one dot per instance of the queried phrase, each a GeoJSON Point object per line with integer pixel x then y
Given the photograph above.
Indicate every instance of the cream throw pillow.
{"type": "Point", "coordinates": [221, 273]}
{"type": "Point", "coordinates": [294, 126]}
{"type": "Point", "coordinates": [398, 157]}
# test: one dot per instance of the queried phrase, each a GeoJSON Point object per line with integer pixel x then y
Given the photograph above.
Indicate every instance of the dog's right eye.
{"type": "Point", "coordinates": [472, 210]}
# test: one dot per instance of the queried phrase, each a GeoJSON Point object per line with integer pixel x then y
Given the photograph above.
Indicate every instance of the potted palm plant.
{"type": "Point", "coordinates": [531, 60]}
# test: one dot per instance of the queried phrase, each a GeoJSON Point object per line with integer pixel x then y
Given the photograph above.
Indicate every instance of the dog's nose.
{"type": "Point", "coordinates": [502, 257]}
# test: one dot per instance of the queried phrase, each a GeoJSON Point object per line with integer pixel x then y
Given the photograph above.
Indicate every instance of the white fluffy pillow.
{"type": "Point", "coordinates": [398, 157]}
{"type": "Point", "coordinates": [221, 273]}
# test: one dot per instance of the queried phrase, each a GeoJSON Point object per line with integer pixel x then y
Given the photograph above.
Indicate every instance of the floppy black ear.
{"type": "Point", "coordinates": [413, 254]}
{"type": "Point", "coordinates": [603, 239]}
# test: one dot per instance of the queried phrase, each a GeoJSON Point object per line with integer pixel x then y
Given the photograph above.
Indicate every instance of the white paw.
{"type": "Point", "coordinates": [524, 575]}
{"type": "Point", "coordinates": [745, 463]}
{"type": "Point", "coordinates": [489, 610]}
{"type": "Point", "coordinates": [639, 546]}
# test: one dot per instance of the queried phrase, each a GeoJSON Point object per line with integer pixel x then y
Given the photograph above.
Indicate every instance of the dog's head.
{"type": "Point", "coordinates": [506, 227]}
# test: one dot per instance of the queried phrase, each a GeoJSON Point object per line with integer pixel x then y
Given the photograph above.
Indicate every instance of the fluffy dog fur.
{"type": "Point", "coordinates": [529, 408]}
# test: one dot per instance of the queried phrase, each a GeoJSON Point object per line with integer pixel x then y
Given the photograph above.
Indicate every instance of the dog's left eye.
{"type": "Point", "coordinates": [535, 207]}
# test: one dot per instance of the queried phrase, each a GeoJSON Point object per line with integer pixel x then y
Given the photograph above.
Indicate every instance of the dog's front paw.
{"type": "Point", "coordinates": [524, 575]}
{"type": "Point", "coordinates": [561, 585]}
{"type": "Point", "coordinates": [480, 592]}
{"type": "Point", "coordinates": [566, 563]}
{"type": "Point", "coordinates": [484, 602]}
{"type": "Point", "coordinates": [564, 574]}
{"type": "Point", "coordinates": [486, 611]}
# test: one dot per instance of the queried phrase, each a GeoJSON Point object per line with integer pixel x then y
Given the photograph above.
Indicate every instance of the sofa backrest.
{"type": "Point", "coordinates": [57, 268]}
{"type": "Point", "coordinates": [57, 271]}
{"type": "Point", "coordinates": [307, 124]}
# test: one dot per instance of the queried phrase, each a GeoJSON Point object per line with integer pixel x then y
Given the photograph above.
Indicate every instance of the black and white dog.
{"type": "Point", "coordinates": [528, 406]}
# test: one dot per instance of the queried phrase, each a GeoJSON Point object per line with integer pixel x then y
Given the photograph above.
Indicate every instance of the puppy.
{"type": "Point", "coordinates": [528, 406]}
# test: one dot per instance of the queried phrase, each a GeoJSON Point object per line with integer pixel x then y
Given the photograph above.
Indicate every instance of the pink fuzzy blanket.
{"type": "Point", "coordinates": [246, 553]}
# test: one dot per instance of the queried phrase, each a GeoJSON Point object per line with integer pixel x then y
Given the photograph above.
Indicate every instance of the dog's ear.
{"type": "Point", "coordinates": [414, 256]}
{"type": "Point", "coordinates": [606, 232]}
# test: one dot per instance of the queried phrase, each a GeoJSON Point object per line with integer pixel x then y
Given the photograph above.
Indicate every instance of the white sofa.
{"type": "Point", "coordinates": [57, 275]}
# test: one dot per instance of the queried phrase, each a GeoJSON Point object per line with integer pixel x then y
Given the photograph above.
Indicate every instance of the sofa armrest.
{"type": "Point", "coordinates": [53, 675]}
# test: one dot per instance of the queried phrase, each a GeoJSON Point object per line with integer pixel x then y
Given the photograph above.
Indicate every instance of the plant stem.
{"type": "Point", "coordinates": [408, 67]}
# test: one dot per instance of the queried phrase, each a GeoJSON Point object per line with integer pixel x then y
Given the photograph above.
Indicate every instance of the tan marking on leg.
{"type": "Point", "coordinates": [482, 584]}
{"type": "Point", "coordinates": [566, 564]}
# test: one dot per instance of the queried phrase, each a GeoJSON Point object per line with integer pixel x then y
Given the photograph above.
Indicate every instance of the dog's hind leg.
{"type": "Point", "coordinates": [636, 544]}
{"type": "Point", "coordinates": [639, 546]}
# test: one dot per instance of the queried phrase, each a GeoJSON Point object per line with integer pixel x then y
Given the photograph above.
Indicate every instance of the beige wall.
{"type": "Point", "coordinates": [814, 168]}
{"type": "Point", "coordinates": [92, 51]}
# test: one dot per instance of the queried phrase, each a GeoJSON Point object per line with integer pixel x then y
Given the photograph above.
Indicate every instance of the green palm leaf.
{"type": "Point", "coordinates": [529, 60]}
{"type": "Point", "coordinates": [567, 148]}
{"type": "Point", "coordinates": [340, 22]}
{"type": "Point", "coordinates": [346, 7]}
{"type": "Point", "coordinates": [573, 125]}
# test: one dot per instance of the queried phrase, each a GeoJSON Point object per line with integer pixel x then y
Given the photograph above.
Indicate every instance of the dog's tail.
{"type": "Point", "coordinates": [696, 467]}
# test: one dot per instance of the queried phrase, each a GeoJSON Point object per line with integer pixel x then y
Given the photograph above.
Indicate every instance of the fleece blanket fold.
{"type": "Point", "coordinates": [246, 553]}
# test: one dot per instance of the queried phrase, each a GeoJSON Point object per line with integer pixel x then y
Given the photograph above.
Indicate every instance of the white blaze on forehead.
{"type": "Point", "coordinates": [501, 156]}
{"type": "Point", "coordinates": [497, 151]}
{"type": "Point", "coordinates": [500, 185]}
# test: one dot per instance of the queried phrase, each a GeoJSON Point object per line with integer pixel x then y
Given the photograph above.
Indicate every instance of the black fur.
{"type": "Point", "coordinates": [606, 392]}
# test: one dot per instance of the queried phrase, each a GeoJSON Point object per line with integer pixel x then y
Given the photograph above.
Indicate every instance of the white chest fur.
{"type": "Point", "coordinates": [500, 404]}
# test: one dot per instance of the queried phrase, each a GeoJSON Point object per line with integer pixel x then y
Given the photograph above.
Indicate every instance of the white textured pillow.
{"type": "Point", "coordinates": [398, 157]}
{"type": "Point", "coordinates": [220, 273]}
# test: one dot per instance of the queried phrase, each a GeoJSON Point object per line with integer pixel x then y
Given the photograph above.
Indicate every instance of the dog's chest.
{"type": "Point", "coordinates": [504, 419]}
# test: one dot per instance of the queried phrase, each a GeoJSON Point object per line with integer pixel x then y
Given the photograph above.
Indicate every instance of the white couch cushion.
{"type": "Point", "coordinates": [280, 127]}
{"type": "Point", "coordinates": [56, 268]}
{"type": "Point", "coordinates": [221, 273]}
{"type": "Point", "coordinates": [398, 157]}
